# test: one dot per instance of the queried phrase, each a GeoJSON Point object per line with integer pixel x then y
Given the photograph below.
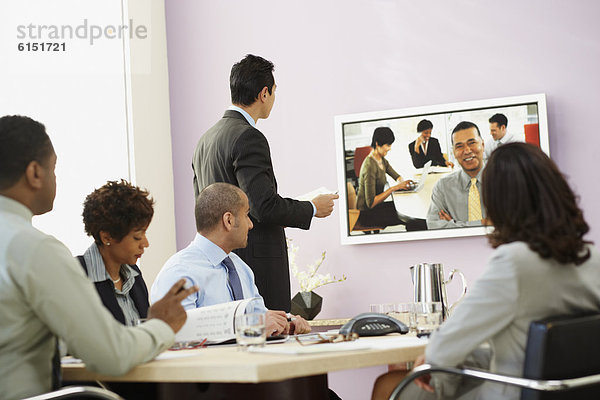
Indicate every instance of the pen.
{"type": "Point", "coordinates": [290, 317]}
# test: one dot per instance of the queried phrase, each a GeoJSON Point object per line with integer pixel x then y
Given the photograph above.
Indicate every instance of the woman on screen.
{"type": "Point", "coordinates": [117, 216]}
{"type": "Point", "coordinates": [374, 212]}
{"type": "Point", "coordinates": [541, 267]}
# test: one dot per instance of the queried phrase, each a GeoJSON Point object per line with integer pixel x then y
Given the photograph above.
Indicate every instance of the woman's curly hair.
{"type": "Point", "coordinates": [528, 199]}
{"type": "Point", "coordinates": [116, 208]}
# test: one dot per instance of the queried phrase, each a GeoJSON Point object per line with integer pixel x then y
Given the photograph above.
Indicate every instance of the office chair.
{"type": "Point", "coordinates": [353, 213]}
{"type": "Point", "coordinates": [532, 134]}
{"type": "Point", "coordinates": [562, 361]}
{"type": "Point", "coordinates": [360, 153]}
{"type": "Point", "coordinates": [78, 392]}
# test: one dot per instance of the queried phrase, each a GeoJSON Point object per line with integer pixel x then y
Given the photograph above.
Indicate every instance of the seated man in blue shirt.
{"type": "Point", "coordinates": [208, 262]}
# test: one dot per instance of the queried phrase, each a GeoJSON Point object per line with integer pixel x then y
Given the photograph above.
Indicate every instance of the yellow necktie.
{"type": "Point", "coordinates": [474, 202]}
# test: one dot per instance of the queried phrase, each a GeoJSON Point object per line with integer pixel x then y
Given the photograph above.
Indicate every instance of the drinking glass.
{"type": "Point", "coordinates": [250, 330]}
{"type": "Point", "coordinates": [404, 312]}
{"type": "Point", "coordinates": [382, 308]}
{"type": "Point", "coordinates": [428, 316]}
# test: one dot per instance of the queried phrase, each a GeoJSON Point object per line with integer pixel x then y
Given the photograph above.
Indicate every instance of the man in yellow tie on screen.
{"type": "Point", "coordinates": [456, 200]}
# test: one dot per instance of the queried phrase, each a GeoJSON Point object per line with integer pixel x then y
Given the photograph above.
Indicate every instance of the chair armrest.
{"type": "Point", "coordinates": [75, 392]}
{"type": "Point", "coordinates": [544, 385]}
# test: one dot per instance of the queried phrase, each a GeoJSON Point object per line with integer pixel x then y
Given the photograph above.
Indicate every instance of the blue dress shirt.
{"type": "Point", "coordinates": [200, 263]}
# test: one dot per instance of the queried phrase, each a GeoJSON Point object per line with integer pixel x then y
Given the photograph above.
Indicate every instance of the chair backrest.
{"type": "Point", "coordinates": [532, 134]}
{"type": "Point", "coordinates": [360, 153]}
{"type": "Point", "coordinates": [562, 348]}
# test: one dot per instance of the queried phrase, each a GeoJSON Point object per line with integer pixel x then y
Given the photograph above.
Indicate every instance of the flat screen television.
{"type": "Point", "coordinates": [526, 122]}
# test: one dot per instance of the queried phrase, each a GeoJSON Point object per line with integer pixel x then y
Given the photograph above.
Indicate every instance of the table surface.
{"type": "Point", "coordinates": [228, 364]}
{"type": "Point", "coordinates": [416, 204]}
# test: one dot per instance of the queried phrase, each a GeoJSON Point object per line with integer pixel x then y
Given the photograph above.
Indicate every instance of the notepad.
{"type": "Point", "coordinates": [311, 195]}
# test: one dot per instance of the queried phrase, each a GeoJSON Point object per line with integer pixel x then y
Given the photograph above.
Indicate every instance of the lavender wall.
{"type": "Point", "coordinates": [352, 56]}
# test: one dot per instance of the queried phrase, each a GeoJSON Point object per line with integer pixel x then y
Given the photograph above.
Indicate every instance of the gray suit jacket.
{"type": "Point", "coordinates": [233, 151]}
{"type": "Point", "coordinates": [516, 288]}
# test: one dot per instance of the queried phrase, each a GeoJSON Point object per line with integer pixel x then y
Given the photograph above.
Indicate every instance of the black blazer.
{"type": "Point", "coordinates": [233, 151]}
{"type": "Point", "coordinates": [434, 153]}
{"type": "Point", "coordinates": [138, 294]}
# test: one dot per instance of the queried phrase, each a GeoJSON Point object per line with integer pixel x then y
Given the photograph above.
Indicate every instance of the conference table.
{"type": "Point", "coordinates": [232, 372]}
{"type": "Point", "coordinates": [416, 204]}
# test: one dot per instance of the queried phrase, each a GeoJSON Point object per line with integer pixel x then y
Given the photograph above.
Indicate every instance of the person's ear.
{"type": "Point", "coordinates": [105, 238]}
{"type": "Point", "coordinates": [263, 93]}
{"type": "Point", "coordinates": [228, 221]}
{"type": "Point", "coordinates": [34, 174]}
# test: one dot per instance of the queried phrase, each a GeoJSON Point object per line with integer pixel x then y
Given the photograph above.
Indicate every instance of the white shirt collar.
{"type": "Point", "coordinates": [16, 207]}
{"type": "Point", "coordinates": [244, 113]}
{"type": "Point", "coordinates": [213, 252]}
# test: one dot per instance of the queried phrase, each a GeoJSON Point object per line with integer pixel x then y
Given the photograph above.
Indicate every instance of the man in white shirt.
{"type": "Point", "coordinates": [498, 123]}
{"type": "Point", "coordinates": [44, 293]}
{"type": "Point", "coordinates": [222, 223]}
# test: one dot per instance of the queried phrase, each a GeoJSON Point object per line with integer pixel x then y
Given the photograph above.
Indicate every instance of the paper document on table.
{"type": "Point", "coordinates": [70, 360]}
{"type": "Point", "coordinates": [214, 323]}
{"type": "Point", "coordinates": [313, 348]}
{"type": "Point", "coordinates": [311, 195]}
{"type": "Point", "coordinates": [440, 170]}
{"type": "Point", "coordinates": [170, 355]}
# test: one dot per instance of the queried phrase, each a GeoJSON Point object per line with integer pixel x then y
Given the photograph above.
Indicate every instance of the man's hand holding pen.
{"type": "Point", "coordinates": [282, 323]}
{"type": "Point", "coordinates": [298, 325]}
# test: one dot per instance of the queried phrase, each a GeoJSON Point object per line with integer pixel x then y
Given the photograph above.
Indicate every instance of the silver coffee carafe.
{"type": "Point", "coordinates": [429, 285]}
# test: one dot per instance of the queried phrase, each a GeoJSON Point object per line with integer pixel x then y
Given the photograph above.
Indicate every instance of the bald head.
{"type": "Point", "coordinates": [214, 201]}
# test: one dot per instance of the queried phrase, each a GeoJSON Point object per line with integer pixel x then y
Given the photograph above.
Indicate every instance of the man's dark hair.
{"type": "Point", "coordinates": [462, 126]}
{"type": "Point", "coordinates": [382, 135]}
{"type": "Point", "coordinates": [22, 140]}
{"type": "Point", "coordinates": [423, 125]}
{"type": "Point", "coordinates": [528, 200]}
{"type": "Point", "coordinates": [214, 201]}
{"type": "Point", "coordinates": [248, 77]}
{"type": "Point", "coordinates": [499, 119]}
{"type": "Point", "coordinates": [116, 208]}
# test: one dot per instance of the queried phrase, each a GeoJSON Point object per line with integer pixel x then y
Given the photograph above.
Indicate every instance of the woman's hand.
{"type": "Point", "coordinates": [403, 185]}
{"type": "Point", "coordinates": [423, 381]}
{"type": "Point", "coordinates": [418, 144]}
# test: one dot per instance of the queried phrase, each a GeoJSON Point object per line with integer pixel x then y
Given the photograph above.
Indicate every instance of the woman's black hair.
{"type": "Point", "coordinates": [528, 199]}
{"type": "Point", "coordinates": [382, 135]}
{"type": "Point", "coordinates": [116, 208]}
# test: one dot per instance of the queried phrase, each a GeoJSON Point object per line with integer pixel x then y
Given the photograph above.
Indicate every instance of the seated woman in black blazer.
{"type": "Point", "coordinates": [117, 216]}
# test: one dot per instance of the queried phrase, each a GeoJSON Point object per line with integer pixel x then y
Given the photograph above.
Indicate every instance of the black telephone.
{"type": "Point", "coordinates": [373, 324]}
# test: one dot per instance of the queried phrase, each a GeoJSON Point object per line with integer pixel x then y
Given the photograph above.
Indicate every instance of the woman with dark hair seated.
{"type": "Point", "coordinates": [117, 216]}
{"type": "Point", "coordinates": [542, 267]}
{"type": "Point", "coordinates": [371, 183]}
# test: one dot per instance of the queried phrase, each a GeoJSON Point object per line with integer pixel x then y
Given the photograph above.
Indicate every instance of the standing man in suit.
{"type": "Point", "coordinates": [235, 152]}
{"type": "Point", "coordinates": [426, 148]}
